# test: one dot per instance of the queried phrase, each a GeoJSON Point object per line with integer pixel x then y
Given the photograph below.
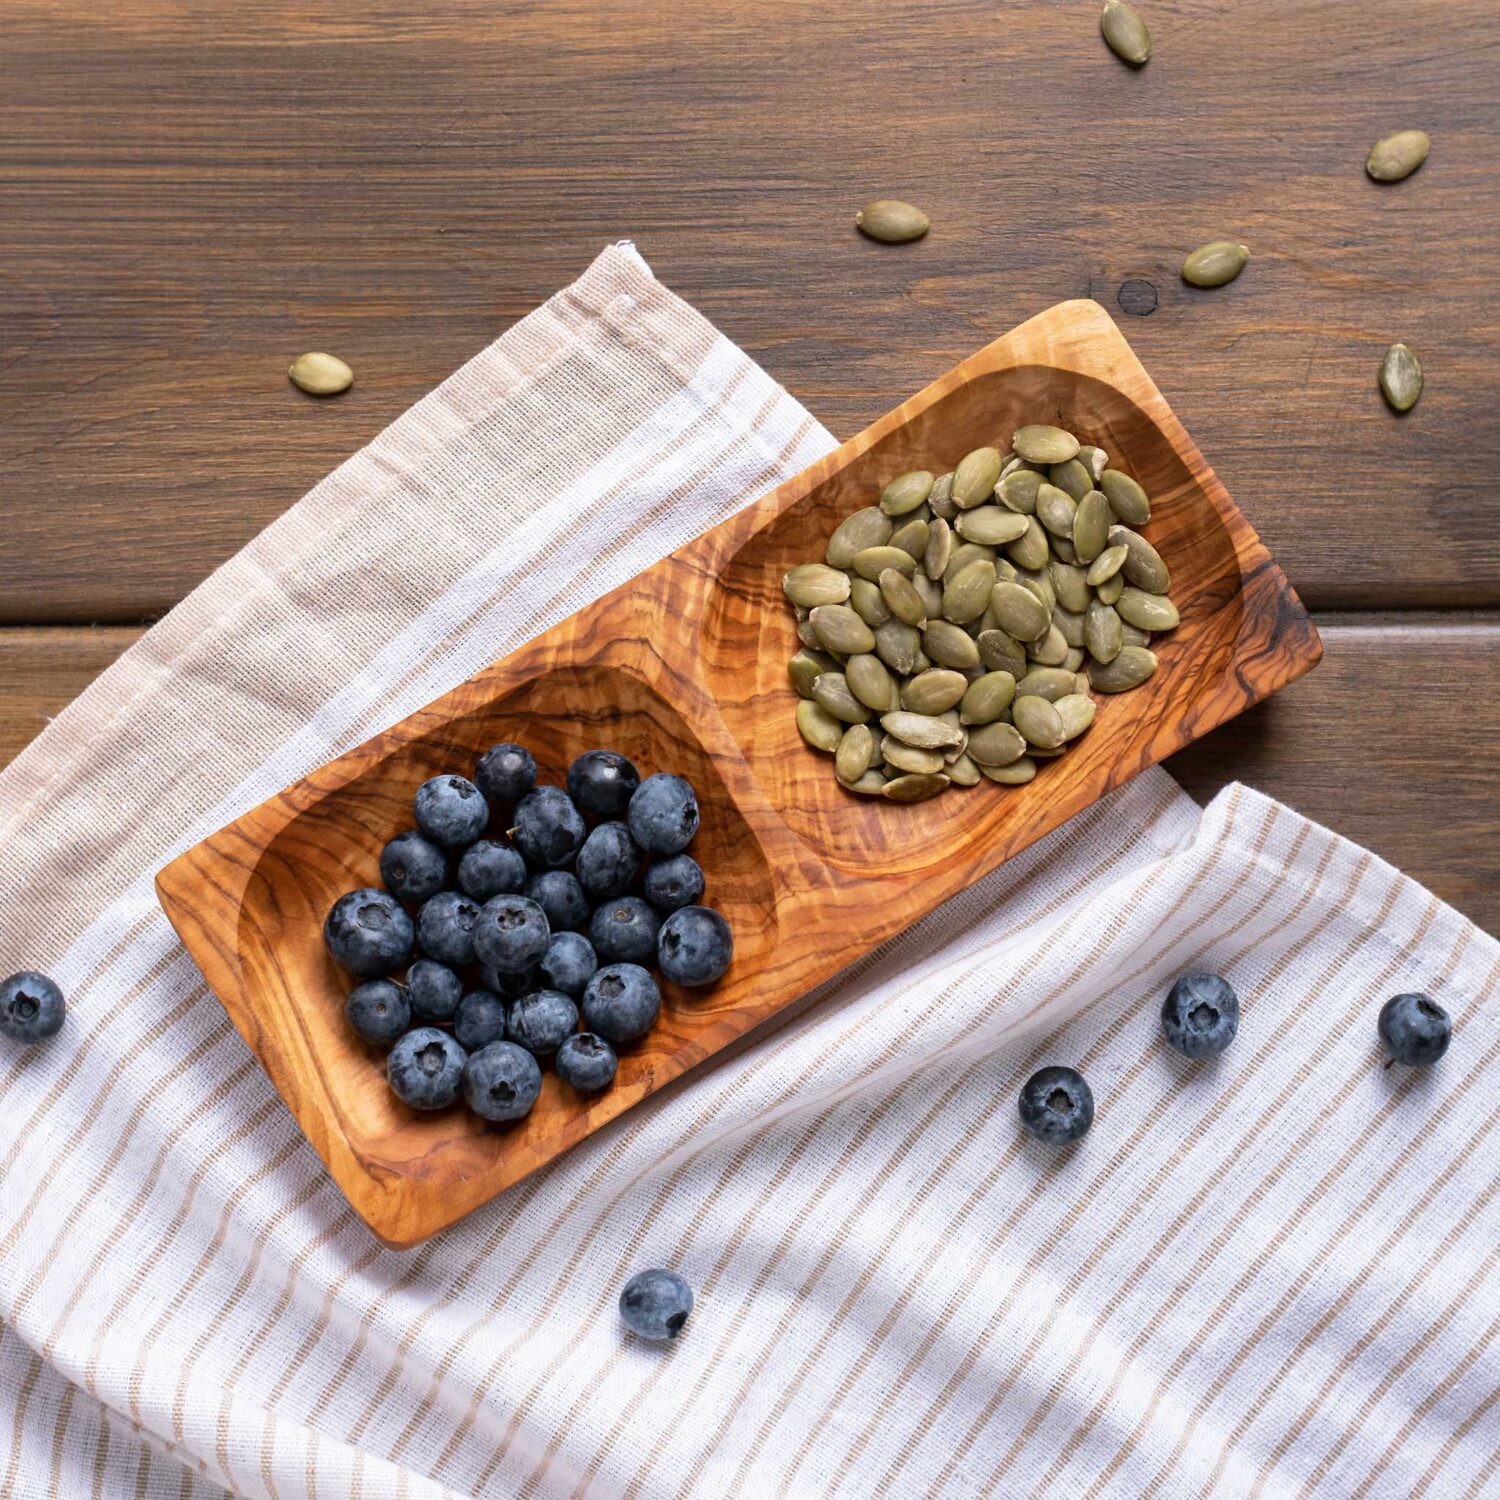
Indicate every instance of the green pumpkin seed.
{"type": "Point", "coordinates": [1109, 591]}
{"type": "Point", "coordinates": [1069, 585]}
{"type": "Point", "coordinates": [974, 478]}
{"type": "Point", "coordinates": [1133, 635]}
{"type": "Point", "coordinates": [911, 538]}
{"type": "Point", "coordinates": [891, 221]}
{"type": "Point", "coordinates": [1051, 650]}
{"type": "Point", "coordinates": [967, 596]}
{"type": "Point", "coordinates": [866, 601]}
{"type": "Point", "coordinates": [1017, 773]}
{"type": "Point", "coordinates": [1039, 584]}
{"type": "Point", "coordinates": [813, 584]}
{"type": "Point", "coordinates": [806, 667]}
{"type": "Point", "coordinates": [1091, 526]}
{"type": "Point", "coordinates": [1107, 564]}
{"type": "Point", "coordinates": [1102, 632]}
{"type": "Point", "coordinates": [962, 748]}
{"type": "Point", "coordinates": [840, 629]}
{"type": "Point", "coordinates": [1038, 721]}
{"type": "Point", "coordinates": [921, 730]}
{"type": "Point", "coordinates": [1072, 478]}
{"type": "Point", "coordinates": [1147, 611]}
{"type": "Point", "coordinates": [1038, 753]}
{"type": "Point", "coordinates": [1143, 563]}
{"type": "Point", "coordinates": [1062, 548]}
{"type": "Point", "coordinates": [320, 374]}
{"type": "Point", "coordinates": [1076, 711]}
{"type": "Point", "coordinates": [1126, 498]}
{"type": "Point", "coordinates": [872, 683]}
{"type": "Point", "coordinates": [939, 548]}
{"type": "Point", "coordinates": [871, 562]}
{"type": "Point", "coordinates": [1074, 659]}
{"type": "Point", "coordinates": [986, 698]}
{"type": "Point", "coordinates": [1030, 551]}
{"type": "Point", "coordinates": [1017, 491]}
{"type": "Point", "coordinates": [962, 555]}
{"type": "Point", "coordinates": [808, 636]}
{"type": "Point", "coordinates": [1128, 670]}
{"type": "Point", "coordinates": [1095, 461]}
{"type": "Point", "coordinates": [1069, 625]}
{"type": "Point", "coordinates": [1050, 683]}
{"type": "Point", "coordinates": [909, 758]}
{"type": "Point", "coordinates": [871, 784]}
{"type": "Point", "coordinates": [915, 788]}
{"type": "Point", "coordinates": [818, 727]}
{"type": "Point", "coordinates": [995, 745]}
{"type": "Point", "coordinates": [1398, 155]}
{"type": "Point", "coordinates": [1215, 264]}
{"type": "Point", "coordinates": [963, 771]}
{"type": "Point", "coordinates": [1000, 651]}
{"type": "Point", "coordinates": [931, 593]}
{"type": "Point", "coordinates": [1005, 570]}
{"type": "Point", "coordinates": [990, 526]}
{"type": "Point", "coordinates": [899, 646]}
{"type": "Point", "coordinates": [940, 501]}
{"type": "Point", "coordinates": [1125, 34]}
{"type": "Point", "coordinates": [1400, 377]}
{"type": "Point", "coordinates": [856, 750]}
{"type": "Point", "coordinates": [1055, 509]}
{"type": "Point", "coordinates": [933, 691]}
{"type": "Point", "coordinates": [906, 492]}
{"type": "Point", "coordinates": [832, 692]}
{"type": "Point", "coordinates": [949, 645]}
{"type": "Point", "coordinates": [870, 527]}
{"type": "Point", "coordinates": [901, 597]}
{"type": "Point", "coordinates": [1020, 612]}
{"type": "Point", "coordinates": [1045, 445]}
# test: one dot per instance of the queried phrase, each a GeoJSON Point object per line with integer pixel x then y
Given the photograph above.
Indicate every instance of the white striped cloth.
{"type": "Point", "coordinates": [1272, 1274]}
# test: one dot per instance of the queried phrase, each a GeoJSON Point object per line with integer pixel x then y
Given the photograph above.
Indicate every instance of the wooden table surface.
{"type": "Point", "coordinates": [191, 194]}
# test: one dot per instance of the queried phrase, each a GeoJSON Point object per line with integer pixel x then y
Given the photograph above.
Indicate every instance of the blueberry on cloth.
{"type": "Point", "coordinates": [674, 882]}
{"type": "Point", "coordinates": [378, 1010]}
{"type": "Point", "coordinates": [548, 828]}
{"type": "Point", "coordinates": [663, 814]}
{"type": "Point", "coordinates": [655, 1304]}
{"type": "Point", "coordinates": [569, 962]}
{"type": "Point", "coordinates": [31, 1007]}
{"type": "Point", "coordinates": [490, 869]}
{"type": "Point", "coordinates": [445, 928]}
{"type": "Point", "coordinates": [368, 932]}
{"type": "Point", "coordinates": [559, 894]}
{"type": "Point", "coordinates": [607, 863]}
{"type": "Point", "coordinates": [451, 810]}
{"type": "Point", "coordinates": [601, 783]}
{"type": "Point", "coordinates": [1200, 1015]}
{"type": "Point", "coordinates": [1415, 1029]}
{"type": "Point", "coordinates": [694, 946]}
{"type": "Point", "coordinates": [511, 933]}
{"type": "Point", "coordinates": [413, 867]}
{"type": "Point", "coordinates": [621, 1003]}
{"type": "Point", "coordinates": [426, 1068]}
{"type": "Point", "coordinates": [624, 930]}
{"type": "Point", "coordinates": [542, 1021]}
{"type": "Point", "coordinates": [480, 1019]}
{"type": "Point", "coordinates": [433, 990]}
{"type": "Point", "coordinates": [505, 773]}
{"type": "Point", "coordinates": [586, 1062]}
{"type": "Point", "coordinates": [501, 1081]}
{"type": "Point", "coordinates": [1057, 1106]}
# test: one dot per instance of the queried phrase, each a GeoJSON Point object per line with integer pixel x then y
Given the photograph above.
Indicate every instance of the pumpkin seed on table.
{"type": "Point", "coordinates": [975, 477]}
{"type": "Point", "coordinates": [1051, 650]}
{"type": "Point", "coordinates": [855, 752]}
{"type": "Point", "coordinates": [1076, 711]}
{"type": "Point", "coordinates": [1017, 491]}
{"type": "Point", "coordinates": [1146, 611]}
{"type": "Point", "coordinates": [1127, 500]}
{"type": "Point", "coordinates": [1125, 33]}
{"type": "Point", "coordinates": [1102, 631]}
{"type": "Point", "coordinates": [1400, 377]}
{"type": "Point", "coordinates": [906, 492]}
{"type": "Point", "coordinates": [1128, 670]}
{"type": "Point", "coordinates": [934, 691]}
{"type": "Point", "coordinates": [1038, 722]}
{"type": "Point", "coordinates": [870, 527]}
{"type": "Point", "coordinates": [1107, 564]}
{"type": "Point", "coordinates": [1031, 550]}
{"type": "Point", "coordinates": [902, 598]}
{"type": "Point", "coordinates": [806, 667]}
{"type": "Point", "coordinates": [1039, 444]}
{"type": "Point", "coordinates": [986, 698]}
{"type": "Point", "coordinates": [963, 771]}
{"type": "Point", "coordinates": [892, 221]}
{"type": "Point", "coordinates": [1071, 478]}
{"type": "Point", "coordinates": [1070, 586]}
{"type": "Point", "coordinates": [915, 788]}
{"type": "Point", "coordinates": [1055, 509]}
{"type": "Point", "coordinates": [911, 537]}
{"type": "Point", "coordinates": [808, 635]}
{"type": "Point", "coordinates": [990, 525]}
{"type": "Point", "coordinates": [949, 645]}
{"type": "Point", "coordinates": [967, 597]}
{"type": "Point", "coordinates": [1094, 461]}
{"type": "Point", "coordinates": [996, 745]}
{"type": "Point", "coordinates": [833, 694]}
{"type": "Point", "coordinates": [871, 784]}
{"type": "Point", "coordinates": [939, 548]}
{"type": "Point", "coordinates": [818, 727]}
{"type": "Point", "coordinates": [812, 584]}
{"type": "Point", "coordinates": [1143, 563]}
{"type": "Point", "coordinates": [1091, 523]}
{"type": "Point", "coordinates": [1215, 264]}
{"type": "Point", "coordinates": [871, 682]}
{"type": "Point", "coordinates": [1017, 773]}
{"type": "Point", "coordinates": [871, 562]}
{"type": "Point", "coordinates": [320, 374]}
{"type": "Point", "coordinates": [1020, 613]}
{"type": "Point", "coordinates": [1109, 591]}
{"type": "Point", "coordinates": [940, 501]}
{"type": "Point", "coordinates": [1397, 155]}
{"type": "Point", "coordinates": [921, 730]}
{"type": "Point", "coordinates": [1131, 635]}
{"type": "Point", "coordinates": [911, 758]}
{"type": "Point", "coordinates": [840, 629]}
{"type": "Point", "coordinates": [866, 601]}
{"type": "Point", "coordinates": [1050, 683]}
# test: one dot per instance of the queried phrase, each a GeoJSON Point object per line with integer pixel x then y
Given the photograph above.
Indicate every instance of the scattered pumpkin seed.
{"type": "Point", "coordinates": [866, 601]}
{"type": "Point", "coordinates": [1102, 631]}
{"type": "Point", "coordinates": [1398, 155]}
{"type": "Point", "coordinates": [871, 784]}
{"type": "Point", "coordinates": [1107, 564]}
{"type": "Point", "coordinates": [1146, 611]}
{"type": "Point", "coordinates": [840, 629]}
{"type": "Point", "coordinates": [1055, 509]}
{"type": "Point", "coordinates": [1039, 584]}
{"type": "Point", "coordinates": [1000, 651]}
{"type": "Point", "coordinates": [806, 667]}
{"type": "Point", "coordinates": [1109, 591]}
{"type": "Point", "coordinates": [811, 584]}
{"type": "Point", "coordinates": [911, 537]}
{"type": "Point", "coordinates": [1143, 563]}
{"type": "Point", "coordinates": [963, 771]}
{"type": "Point", "coordinates": [1069, 625]}
{"type": "Point", "coordinates": [915, 788]}
{"type": "Point", "coordinates": [940, 501]}
{"type": "Point", "coordinates": [1038, 721]}
{"type": "Point", "coordinates": [1072, 478]}
{"type": "Point", "coordinates": [1017, 773]}
{"type": "Point", "coordinates": [906, 492]}
{"type": "Point", "coordinates": [1040, 444]}
{"type": "Point", "coordinates": [949, 645]}
{"type": "Point", "coordinates": [899, 646]}
{"type": "Point", "coordinates": [1020, 613]}
{"type": "Point", "coordinates": [871, 682]}
{"type": "Point", "coordinates": [1215, 263]}
{"type": "Point", "coordinates": [1069, 585]}
{"type": "Point", "coordinates": [1125, 34]}
{"type": "Point", "coordinates": [1062, 547]}
{"type": "Point", "coordinates": [906, 757]}
{"type": "Point", "coordinates": [962, 555]}
{"type": "Point", "coordinates": [975, 477]}
{"type": "Point", "coordinates": [1017, 491]}
{"type": "Point", "coordinates": [320, 374]}
{"type": "Point", "coordinates": [1076, 711]}
{"type": "Point", "coordinates": [808, 636]}
{"type": "Point", "coordinates": [986, 698]}
{"type": "Point", "coordinates": [933, 691]}
{"type": "Point", "coordinates": [832, 692]}
{"type": "Point", "coordinates": [1031, 550]}
{"type": "Point", "coordinates": [1073, 660]}
{"type": "Point", "coordinates": [818, 727]}
{"type": "Point", "coordinates": [871, 562]}
{"type": "Point", "coordinates": [939, 548]}
{"type": "Point", "coordinates": [1051, 650]}
{"type": "Point", "coordinates": [870, 527]}
{"type": "Point", "coordinates": [921, 730]}
{"type": "Point", "coordinates": [969, 594]}
{"type": "Point", "coordinates": [1133, 635]}
{"type": "Point", "coordinates": [901, 597]}
{"type": "Point", "coordinates": [990, 525]}
{"type": "Point", "coordinates": [1128, 670]}
{"type": "Point", "coordinates": [1094, 460]}
{"type": "Point", "coordinates": [1050, 683]}
{"type": "Point", "coordinates": [1400, 377]}
{"type": "Point", "coordinates": [1127, 499]}
{"type": "Point", "coordinates": [891, 221]}
{"type": "Point", "coordinates": [855, 752]}
{"type": "Point", "coordinates": [1091, 526]}
{"type": "Point", "coordinates": [996, 744]}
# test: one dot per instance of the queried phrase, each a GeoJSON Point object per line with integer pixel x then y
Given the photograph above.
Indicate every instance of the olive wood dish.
{"type": "Point", "coordinates": [684, 669]}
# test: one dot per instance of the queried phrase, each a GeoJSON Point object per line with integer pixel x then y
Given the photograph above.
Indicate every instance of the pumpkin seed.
{"type": "Point", "coordinates": [939, 548]}
{"type": "Point", "coordinates": [915, 788]}
{"type": "Point", "coordinates": [856, 750]}
{"type": "Point", "coordinates": [1045, 445]}
{"type": "Point", "coordinates": [1128, 670]}
{"type": "Point", "coordinates": [1147, 611]}
{"type": "Point", "coordinates": [1050, 683]}
{"type": "Point", "coordinates": [832, 692]}
{"type": "Point", "coordinates": [995, 745]}
{"type": "Point", "coordinates": [871, 683]}
{"type": "Point", "coordinates": [930, 593]}
{"type": "Point", "coordinates": [963, 771]}
{"type": "Point", "coordinates": [871, 784]}
{"type": "Point", "coordinates": [1126, 498]}
{"type": "Point", "coordinates": [1006, 570]}
{"type": "Point", "coordinates": [1062, 548]}
{"type": "Point", "coordinates": [1017, 491]}
{"type": "Point", "coordinates": [1038, 721]}
{"type": "Point", "coordinates": [1055, 509]}
{"type": "Point", "coordinates": [962, 555]}
{"type": "Point", "coordinates": [949, 645]}
{"type": "Point", "coordinates": [1069, 625]}
{"type": "Point", "coordinates": [1398, 155]}
{"type": "Point", "coordinates": [891, 221]}
{"type": "Point", "coordinates": [911, 537]}
{"type": "Point", "coordinates": [1017, 773]}
{"type": "Point", "coordinates": [1001, 652]}
{"type": "Point", "coordinates": [320, 374]}
{"type": "Point", "coordinates": [1074, 659]}
{"type": "Point", "coordinates": [940, 501]}
{"type": "Point", "coordinates": [1051, 650]}
{"type": "Point", "coordinates": [1072, 478]}
{"type": "Point", "coordinates": [974, 478]}
{"type": "Point", "coordinates": [808, 636]}
{"type": "Point", "coordinates": [1107, 564]}
{"type": "Point", "coordinates": [990, 525]}
{"type": "Point", "coordinates": [921, 730]}
{"type": "Point", "coordinates": [1143, 564]}
{"type": "Point", "coordinates": [1020, 612]}
{"type": "Point", "coordinates": [986, 698]}
{"type": "Point", "coordinates": [870, 527]}
{"type": "Point", "coordinates": [1094, 460]}
{"type": "Point", "coordinates": [871, 562]}
{"type": "Point", "coordinates": [909, 757]}
{"type": "Point", "coordinates": [906, 492]}
{"type": "Point", "coordinates": [1400, 377]}
{"type": "Point", "coordinates": [1109, 591]}
{"type": "Point", "coordinates": [899, 646]}
{"type": "Point", "coordinates": [1125, 34]}
{"type": "Point", "coordinates": [1133, 635]}
{"type": "Point", "coordinates": [1091, 526]}
{"type": "Point", "coordinates": [1030, 551]}
{"type": "Point", "coordinates": [933, 691]}
{"type": "Point", "coordinates": [1215, 264]}
{"type": "Point", "coordinates": [967, 596]}
{"type": "Point", "coordinates": [840, 629]}
{"type": "Point", "coordinates": [1102, 631]}
{"type": "Point", "coordinates": [1076, 711]}
{"type": "Point", "coordinates": [866, 601]}
{"type": "Point", "coordinates": [1039, 584]}
{"type": "Point", "coordinates": [901, 597]}
{"type": "Point", "coordinates": [811, 584]}
{"type": "Point", "coordinates": [818, 727]}
{"type": "Point", "coordinates": [1069, 585]}
{"type": "Point", "coordinates": [806, 667]}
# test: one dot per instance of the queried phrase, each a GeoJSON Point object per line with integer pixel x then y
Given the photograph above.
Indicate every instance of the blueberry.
{"type": "Point", "coordinates": [542, 1021]}
{"type": "Point", "coordinates": [505, 773]}
{"type": "Point", "coordinates": [511, 933]}
{"type": "Point", "coordinates": [601, 783]}
{"type": "Point", "coordinates": [513, 986]}
{"type": "Point", "coordinates": [695, 946]}
{"type": "Point", "coordinates": [586, 1062]}
{"type": "Point", "coordinates": [501, 1081]}
{"type": "Point", "coordinates": [378, 1010]}
{"type": "Point", "coordinates": [624, 931]}
{"type": "Point", "coordinates": [451, 810]}
{"type": "Point", "coordinates": [674, 882]}
{"type": "Point", "coordinates": [663, 814]}
{"type": "Point", "coordinates": [548, 828]}
{"type": "Point", "coordinates": [1057, 1106]}
{"type": "Point", "coordinates": [413, 867]}
{"type": "Point", "coordinates": [368, 932]}
{"type": "Point", "coordinates": [445, 928]}
{"type": "Point", "coordinates": [569, 962]}
{"type": "Point", "coordinates": [480, 1019]}
{"type": "Point", "coordinates": [1200, 1015]}
{"type": "Point", "coordinates": [426, 1068]}
{"type": "Point", "coordinates": [655, 1304]}
{"type": "Point", "coordinates": [607, 863]}
{"type": "Point", "coordinates": [1415, 1029]}
{"type": "Point", "coordinates": [31, 1007]}
{"type": "Point", "coordinates": [433, 990]}
{"type": "Point", "coordinates": [621, 1003]}
{"type": "Point", "coordinates": [559, 894]}
{"type": "Point", "coordinates": [490, 869]}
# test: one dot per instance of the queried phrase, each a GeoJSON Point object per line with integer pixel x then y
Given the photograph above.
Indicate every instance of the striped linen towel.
{"type": "Point", "coordinates": [1271, 1274]}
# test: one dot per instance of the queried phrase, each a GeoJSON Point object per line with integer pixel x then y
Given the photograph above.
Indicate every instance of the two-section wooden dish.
{"type": "Point", "coordinates": [684, 669]}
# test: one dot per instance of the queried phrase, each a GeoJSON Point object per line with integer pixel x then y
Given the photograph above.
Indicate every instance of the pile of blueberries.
{"type": "Point", "coordinates": [506, 937]}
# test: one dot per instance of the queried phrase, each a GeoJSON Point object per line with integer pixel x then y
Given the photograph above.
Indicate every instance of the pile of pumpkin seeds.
{"type": "Point", "coordinates": [957, 630]}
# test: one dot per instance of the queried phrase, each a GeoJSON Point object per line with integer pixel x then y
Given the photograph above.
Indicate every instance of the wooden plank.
{"type": "Point", "coordinates": [398, 188]}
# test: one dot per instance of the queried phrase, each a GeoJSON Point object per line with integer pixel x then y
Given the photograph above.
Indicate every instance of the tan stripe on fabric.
{"type": "Point", "coordinates": [1480, 1486]}
{"type": "Point", "coordinates": [18, 1423]}
{"type": "Point", "coordinates": [1454, 1438]}
{"type": "Point", "coordinates": [101, 1453]}
{"type": "Point", "coordinates": [59, 1432]}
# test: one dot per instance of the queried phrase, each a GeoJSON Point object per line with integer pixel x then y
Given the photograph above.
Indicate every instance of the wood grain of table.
{"type": "Point", "coordinates": [191, 194]}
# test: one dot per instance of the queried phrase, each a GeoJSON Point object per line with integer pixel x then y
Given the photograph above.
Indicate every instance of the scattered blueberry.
{"type": "Point", "coordinates": [480, 1019]}
{"type": "Point", "coordinates": [501, 1081]}
{"type": "Point", "coordinates": [433, 990]}
{"type": "Point", "coordinates": [413, 867]}
{"type": "Point", "coordinates": [655, 1304]}
{"type": "Point", "coordinates": [607, 863]}
{"type": "Point", "coordinates": [586, 1062]}
{"type": "Point", "coordinates": [663, 814]}
{"type": "Point", "coordinates": [624, 931]}
{"type": "Point", "coordinates": [695, 946]}
{"type": "Point", "coordinates": [674, 882]}
{"type": "Point", "coordinates": [1057, 1106]}
{"type": "Point", "coordinates": [426, 1068]}
{"type": "Point", "coordinates": [559, 894]}
{"type": "Point", "coordinates": [1415, 1029]}
{"type": "Point", "coordinates": [542, 1021]}
{"type": "Point", "coordinates": [31, 1007]}
{"type": "Point", "coordinates": [621, 1003]}
{"type": "Point", "coordinates": [1200, 1015]}
{"type": "Point", "coordinates": [601, 783]}
{"type": "Point", "coordinates": [378, 1010]}
{"type": "Point", "coordinates": [511, 933]}
{"type": "Point", "coordinates": [490, 869]}
{"type": "Point", "coordinates": [451, 810]}
{"type": "Point", "coordinates": [548, 828]}
{"type": "Point", "coordinates": [569, 962]}
{"type": "Point", "coordinates": [445, 928]}
{"type": "Point", "coordinates": [505, 773]}
{"type": "Point", "coordinates": [368, 932]}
